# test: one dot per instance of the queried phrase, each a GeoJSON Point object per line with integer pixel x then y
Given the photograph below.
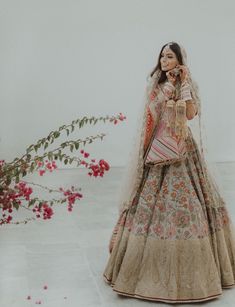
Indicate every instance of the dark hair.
{"type": "Point", "coordinates": [176, 49]}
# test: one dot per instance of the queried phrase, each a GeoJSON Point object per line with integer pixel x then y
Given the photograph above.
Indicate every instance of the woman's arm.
{"type": "Point", "coordinates": [191, 109]}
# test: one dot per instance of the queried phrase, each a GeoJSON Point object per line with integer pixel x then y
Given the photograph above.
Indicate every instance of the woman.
{"type": "Point", "coordinates": [174, 240]}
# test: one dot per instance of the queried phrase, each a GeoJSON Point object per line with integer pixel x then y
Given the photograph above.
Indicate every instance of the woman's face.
{"type": "Point", "coordinates": [168, 59]}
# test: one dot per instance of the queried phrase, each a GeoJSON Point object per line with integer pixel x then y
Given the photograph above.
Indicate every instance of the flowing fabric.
{"type": "Point", "coordinates": [174, 240]}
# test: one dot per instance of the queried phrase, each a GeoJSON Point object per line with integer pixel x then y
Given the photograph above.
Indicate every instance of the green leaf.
{"type": "Point", "coordinates": [29, 148]}
{"type": "Point", "coordinates": [76, 145]}
{"type": "Point", "coordinates": [50, 156]}
{"type": "Point", "coordinates": [71, 147]}
{"type": "Point", "coordinates": [40, 204]}
{"type": "Point", "coordinates": [43, 140]}
{"type": "Point", "coordinates": [32, 202]}
{"type": "Point", "coordinates": [62, 127]}
{"type": "Point", "coordinates": [67, 131]}
{"type": "Point", "coordinates": [46, 145]}
{"type": "Point", "coordinates": [15, 205]}
{"type": "Point", "coordinates": [65, 161]}
{"type": "Point", "coordinates": [8, 180]}
{"type": "Point", "coordinates": [56, 134]}
{"type": "Point", "coordinates": [32, 166]}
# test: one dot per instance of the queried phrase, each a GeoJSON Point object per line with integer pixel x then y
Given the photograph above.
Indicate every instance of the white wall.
{"type": "Point", "coordinates": [62, 59]}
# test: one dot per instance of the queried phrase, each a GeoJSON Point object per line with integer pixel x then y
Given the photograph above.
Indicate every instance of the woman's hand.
{"type": "Point", "coordinates": [183, 72]}
{"type": "Point", "coordinates": [171, 77]}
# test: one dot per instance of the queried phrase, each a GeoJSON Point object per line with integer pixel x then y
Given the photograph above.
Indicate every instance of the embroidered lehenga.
{"type": "Point", "coordinates": [175, 242]}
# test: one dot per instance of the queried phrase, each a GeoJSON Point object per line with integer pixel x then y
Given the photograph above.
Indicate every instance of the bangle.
{"type": "Point", "coordinates": [185, 91]}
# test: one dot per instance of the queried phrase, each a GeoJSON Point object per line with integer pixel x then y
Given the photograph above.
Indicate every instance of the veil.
{"type": "Point", "coordinates": [133, 172]}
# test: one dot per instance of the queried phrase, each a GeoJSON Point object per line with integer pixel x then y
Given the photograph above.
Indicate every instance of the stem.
{"type": "Point", "coordinates": [45, 154]}
{"type": "Point", "coordinates": [41, 186]}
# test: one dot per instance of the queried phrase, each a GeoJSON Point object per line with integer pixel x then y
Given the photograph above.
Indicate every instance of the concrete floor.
{"type": "Point", "coordinates": [69, 252]}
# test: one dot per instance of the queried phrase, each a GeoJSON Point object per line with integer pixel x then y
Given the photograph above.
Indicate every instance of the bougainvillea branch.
{"type": "Point", "coordinates": [16, 193]}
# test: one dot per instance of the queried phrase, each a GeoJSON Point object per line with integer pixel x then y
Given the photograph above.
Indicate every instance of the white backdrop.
{"type": "Point", "coordinates": [63, 59]}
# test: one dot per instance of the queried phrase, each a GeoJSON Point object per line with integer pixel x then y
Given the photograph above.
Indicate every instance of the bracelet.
{"type": "Point", "coordinates": [185, 91]}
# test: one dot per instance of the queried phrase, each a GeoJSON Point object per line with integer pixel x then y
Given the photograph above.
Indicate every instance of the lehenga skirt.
{"type": "Point", "coordinates": [176, 243]}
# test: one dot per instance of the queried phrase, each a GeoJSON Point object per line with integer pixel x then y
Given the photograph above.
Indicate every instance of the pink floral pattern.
{"type": "Point", "coordinates": [177, 201]}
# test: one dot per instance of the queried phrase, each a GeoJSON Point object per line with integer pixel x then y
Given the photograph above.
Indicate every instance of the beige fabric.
{"type": "Point", "coordinates": [176, 242]}
{"type": "Point", "coordinates": [186, 270]}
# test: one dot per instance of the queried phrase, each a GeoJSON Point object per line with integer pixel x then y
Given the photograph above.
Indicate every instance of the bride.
{"type": "Point", "coordinates": [174, 239]}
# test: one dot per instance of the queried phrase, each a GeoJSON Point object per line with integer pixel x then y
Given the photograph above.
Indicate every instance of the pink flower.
{"type": "Point", "coordinates": [121, 116]}
{"type": "Point", "coordinates": [28, 297]}
{"type": "Point", "coordinates": [47, 211]}
{"type": "Point", "coordinates": [171, 231]}
{"type": "Point", "coordinates": [161, 207]}
{"type": "Point", "coordinates": [45, 287]}
{"type": "Point", "coordinates": [104, 164]}
{"type": "Point", "coordinates": [48, 165]}
{"type": "Point", "coordinates": [181, 219]}
{"type": "Point", "coordinates": [158, 229]}
{"type": "Point", "coordinates": [41, 172]}
{"type": "Point", "coordinates": [9, 218]}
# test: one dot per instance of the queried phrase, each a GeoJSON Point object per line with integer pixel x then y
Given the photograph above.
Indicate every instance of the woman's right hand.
{"type": "Point", "coordinates": [171, 77]}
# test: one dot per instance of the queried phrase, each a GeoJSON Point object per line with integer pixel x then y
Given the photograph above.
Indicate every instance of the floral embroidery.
{"type": "Point", "coordinates": [177, 202]}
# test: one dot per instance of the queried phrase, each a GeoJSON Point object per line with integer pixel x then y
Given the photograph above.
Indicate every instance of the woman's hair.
{"type": "Point", "coordinates": [176, 49]}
